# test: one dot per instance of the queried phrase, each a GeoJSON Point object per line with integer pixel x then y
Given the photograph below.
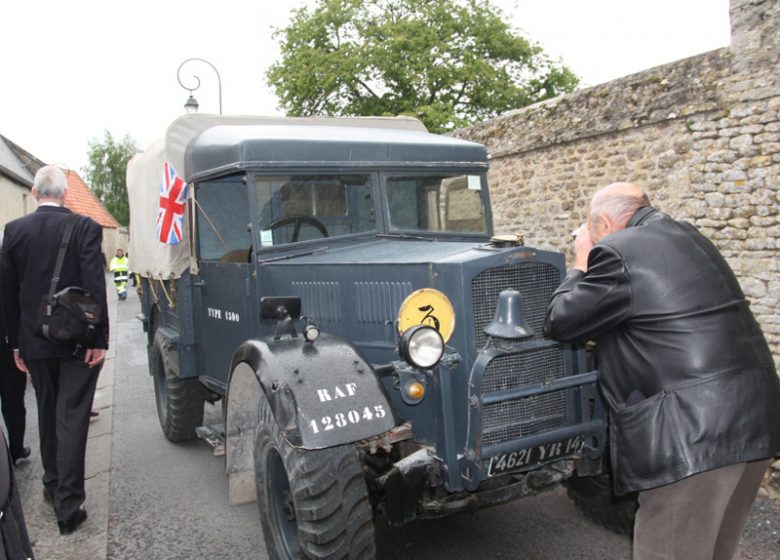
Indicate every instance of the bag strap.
{"type": "Point", "coordinates": [70, 223]}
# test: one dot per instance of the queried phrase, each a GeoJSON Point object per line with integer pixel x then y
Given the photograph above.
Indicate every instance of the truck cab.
{"type": "Point", "coordinates": [337, 285]}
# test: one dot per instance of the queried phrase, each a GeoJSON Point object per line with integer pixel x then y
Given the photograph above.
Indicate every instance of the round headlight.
{"type": "Point", "coordinates": [422, 346]}
{"type": "Point", "coordinates": [311, 333]}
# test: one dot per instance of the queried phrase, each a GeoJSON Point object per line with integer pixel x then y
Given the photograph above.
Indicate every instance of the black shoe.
{"type": "Point", "coordinates": [94, 414]}
{"type": "Point", "coordinates": [69, 526]}
{"type": "Point", "coordinates": [23, 454]}
{"type": "Point", "coordinates": [48, 496]}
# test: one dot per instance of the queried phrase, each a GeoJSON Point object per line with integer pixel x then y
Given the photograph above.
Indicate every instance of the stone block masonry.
{"type": "Point", "coordinates": [702, 135]}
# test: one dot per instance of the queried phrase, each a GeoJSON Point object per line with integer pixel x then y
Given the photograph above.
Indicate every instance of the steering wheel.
{"type": "Point", "coordinates": [299, 219]}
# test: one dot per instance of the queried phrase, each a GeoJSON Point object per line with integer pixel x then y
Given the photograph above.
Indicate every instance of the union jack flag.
{"type": "Point", "coordinates": [170, 214]}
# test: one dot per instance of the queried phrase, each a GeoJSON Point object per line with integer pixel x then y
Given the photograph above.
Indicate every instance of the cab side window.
{"type": "Point", "coordinates": [222, 215]}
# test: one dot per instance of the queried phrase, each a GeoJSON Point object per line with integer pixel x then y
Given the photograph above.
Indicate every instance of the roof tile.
{"type": "Point", "coordinates": [80, 199]}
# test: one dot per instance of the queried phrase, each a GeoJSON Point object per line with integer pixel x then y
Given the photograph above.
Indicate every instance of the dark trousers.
{"type": "Point", "coordinates": [12, 386]}
{"type": "Point", "coordinates": [64, 390]}
{"type": "Point", "coordinates": [698, 518]}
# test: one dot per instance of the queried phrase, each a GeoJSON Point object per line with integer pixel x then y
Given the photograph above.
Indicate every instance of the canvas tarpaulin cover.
{"type": "Point", "coordinates": [150, 257]}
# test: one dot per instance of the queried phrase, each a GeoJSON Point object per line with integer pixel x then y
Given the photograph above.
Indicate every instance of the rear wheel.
{"type": "Point", "coordinates": [313, 503]}
{"type": "Point", "coordinates": [593, 495]}
{"type": "Point", "coordinates": [179, 401]}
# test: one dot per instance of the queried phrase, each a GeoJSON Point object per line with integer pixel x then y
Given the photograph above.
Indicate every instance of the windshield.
{"type": "Point", "coordinates": [436, 203]}
{"type": "Point", "coordinates": [294, 208]}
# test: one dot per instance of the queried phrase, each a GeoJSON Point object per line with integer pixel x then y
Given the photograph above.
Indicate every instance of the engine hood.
{"type": "Point", "coordinates": [355, 290]}
{"type": "Point", "coordinates": [395, 251]}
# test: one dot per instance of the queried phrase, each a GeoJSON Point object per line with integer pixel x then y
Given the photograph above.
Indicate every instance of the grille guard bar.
{"type": "Point", "coordinates": [540, 388]}
{"type": "Point", "coordinates": [584, 410]}
{"type": "Point", "coordinates": [594, 428]}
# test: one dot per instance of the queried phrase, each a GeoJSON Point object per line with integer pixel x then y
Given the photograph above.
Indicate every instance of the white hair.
{"type": "Point", "coordinates": [50, 182]}
{"type": "Point", "coordinates": [618, 206]}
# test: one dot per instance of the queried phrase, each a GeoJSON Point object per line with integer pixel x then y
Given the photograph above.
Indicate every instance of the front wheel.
{"type": "Point", "coordinates": [313, 503]}
{"type": "Point", "coordinates": [179, 401]}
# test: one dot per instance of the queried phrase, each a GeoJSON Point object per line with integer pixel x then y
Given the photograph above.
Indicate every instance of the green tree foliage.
{"type": "Point", "coordinates": [105, 173]}
{"type": "Point", "coordinates": [449, 63]}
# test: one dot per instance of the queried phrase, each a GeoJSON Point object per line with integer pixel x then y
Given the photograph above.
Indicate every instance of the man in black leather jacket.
{"type": "Point", "coordinates": [691, 385]}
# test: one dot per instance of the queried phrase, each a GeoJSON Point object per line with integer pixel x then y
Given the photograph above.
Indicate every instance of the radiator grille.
{"type": "Point", "coordinates": [513, 370]}
{"type": "Point", "coordinates": [536, 283]}
{"type": "Point", "coordinates": [514, 419]}
{"type": "Point", "coordinates": [509, 420]}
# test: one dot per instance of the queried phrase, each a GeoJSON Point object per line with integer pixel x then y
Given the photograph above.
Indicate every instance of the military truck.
{"type": "Point", "coordinates": [335, 283]}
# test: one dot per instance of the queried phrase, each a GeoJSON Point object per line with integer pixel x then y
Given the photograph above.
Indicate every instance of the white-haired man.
{"type": "Point", "coordinates": [689, 379]}
{"type": "Point", "coordinates": [64, 376]}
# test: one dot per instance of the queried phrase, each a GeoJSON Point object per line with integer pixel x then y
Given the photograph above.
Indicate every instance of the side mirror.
{"type": "Point", "coordinates": [285, 310]}
{"type": "Point", "coordinates": [278, 306]}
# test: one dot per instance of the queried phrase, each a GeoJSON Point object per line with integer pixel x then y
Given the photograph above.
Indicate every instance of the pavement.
{"type": "Point", "coordinates": [90, 541]}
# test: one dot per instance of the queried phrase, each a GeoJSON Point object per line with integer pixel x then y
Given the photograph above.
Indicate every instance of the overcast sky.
{"type": "Point", "coordinates": [70, 70]}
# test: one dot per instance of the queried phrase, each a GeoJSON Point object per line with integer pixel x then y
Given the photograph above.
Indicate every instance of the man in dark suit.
{"type": "Point", "coordinates": [690, 381]}
{"type": "Point", "coordinates": [13, 384]}
{"type": "Point", "coordinates": [64, 377]}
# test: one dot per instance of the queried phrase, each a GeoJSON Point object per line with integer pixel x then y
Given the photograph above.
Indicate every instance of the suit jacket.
{"type": "Point", "coordinates": [26, 268]}
{"type": "Point", "coordinates": [6, 357]}
{"type": "Point", "coordinates": [687, 373]}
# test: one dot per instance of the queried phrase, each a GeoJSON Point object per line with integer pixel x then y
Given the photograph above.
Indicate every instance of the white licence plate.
{"type": "Point", "coordinates": [522, 458]}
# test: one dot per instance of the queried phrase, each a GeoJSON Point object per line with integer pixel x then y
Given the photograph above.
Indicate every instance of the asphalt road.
{"type": "Point", "coordinates": [169, 501]}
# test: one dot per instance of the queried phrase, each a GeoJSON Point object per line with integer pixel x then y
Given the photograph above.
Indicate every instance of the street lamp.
{"type": "Point", "coordinates": [192, 104]}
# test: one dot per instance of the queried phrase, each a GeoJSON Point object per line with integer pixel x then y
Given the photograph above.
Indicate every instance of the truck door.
{"type": "Point", "coordinates": [225, 285]}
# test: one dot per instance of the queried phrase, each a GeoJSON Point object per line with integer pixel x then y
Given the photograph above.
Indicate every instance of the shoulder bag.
{"type": "Point", "coordinates": [71, 315]}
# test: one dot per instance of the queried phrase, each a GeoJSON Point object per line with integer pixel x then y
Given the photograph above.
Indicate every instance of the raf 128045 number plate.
{"type": "Point", "coordinates": [522, 458]}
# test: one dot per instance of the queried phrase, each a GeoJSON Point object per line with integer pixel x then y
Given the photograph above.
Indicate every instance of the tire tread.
{"type": "Point", "coordinates": [182, 411]}
{"type": "Point", "coordinates": [333, 512]}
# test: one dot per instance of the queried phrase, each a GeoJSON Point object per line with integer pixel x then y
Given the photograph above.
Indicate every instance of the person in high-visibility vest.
{"type": "Point", "coordinates": [118, 266]}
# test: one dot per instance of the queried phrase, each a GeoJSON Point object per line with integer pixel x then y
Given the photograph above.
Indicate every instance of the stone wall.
{"type": "Point", "coordinates": [702, 135]}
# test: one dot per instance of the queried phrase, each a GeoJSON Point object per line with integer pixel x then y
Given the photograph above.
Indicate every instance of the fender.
{"type": "Point", "coordinates": [323, 395]}
{"type": "Point", "coordinates": [166, 340]}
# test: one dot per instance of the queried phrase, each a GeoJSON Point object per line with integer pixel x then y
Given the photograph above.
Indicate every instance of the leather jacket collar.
{"type": "Point", "coordinates": [639, 217]}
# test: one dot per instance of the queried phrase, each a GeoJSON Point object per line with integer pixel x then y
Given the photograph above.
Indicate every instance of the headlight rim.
{"type": "Point", "coordinates": [406, 348]}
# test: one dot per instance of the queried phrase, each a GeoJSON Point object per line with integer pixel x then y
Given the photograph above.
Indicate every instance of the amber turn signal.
{"type": "Point", "coordinates": [415, 390]}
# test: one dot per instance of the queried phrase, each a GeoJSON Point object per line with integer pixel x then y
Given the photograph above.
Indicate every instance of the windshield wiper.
{"type": "Point", "coordinates": [292, 256]}
{"type": "Point", "coordinates": [404, 236]}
